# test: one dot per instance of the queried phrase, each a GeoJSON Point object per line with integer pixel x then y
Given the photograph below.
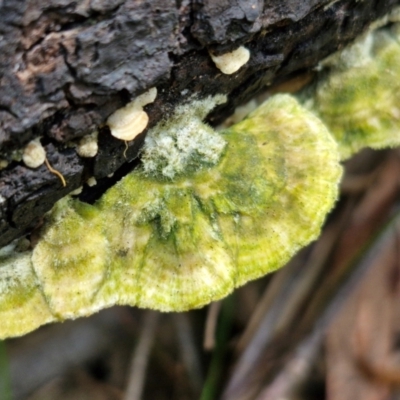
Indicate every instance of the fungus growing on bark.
{"type": "Point", "coordinates": [231, 62]}
{"type": "Point", "coordinates": [206, 212]}
{"type": "Point", "coordinates": [88, 146]}
{"type": "Point", "coordinates": [359, 99]}
{"type": "Point", "coordinates": [184, 142]}
{"type": "Point", "coordinates": [229, 211]}
{"type": "Point", "coordinates": [91, 181]}
{"type": "Point", "coordinates": [34, 154]}
{"type": "Point", "coordinates": [131, 120]}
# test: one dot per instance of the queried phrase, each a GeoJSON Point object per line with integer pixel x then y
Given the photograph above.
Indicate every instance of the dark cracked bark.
{"type": "Point", "coordinates": [66, 66]}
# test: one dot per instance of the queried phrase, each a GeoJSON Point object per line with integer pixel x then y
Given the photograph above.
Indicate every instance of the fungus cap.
{"type": "Point", "coordinates": [34, 154]}
{"type": "Point", "coordinates": [88, 146]}
{"type": "Point", "coordinates": [129, 121]}
{"type": "Point", "coordinates": [91, 181]}
{"type": "Point", "coordinates": [231, 62]}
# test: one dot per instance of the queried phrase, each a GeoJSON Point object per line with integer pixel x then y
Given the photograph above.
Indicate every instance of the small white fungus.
{"type": "Point", "coordinates": [87, 146]}
{"type": "Point", "coordinates": [77, 191]}
{"type": "Point", "coordinates": [91, 181]}
{"type": "Point", "coordinates": [129, 121]}
{"type": "Point", "coordinates": [229, 63]}
{"type": "Point", "coordinates": [34, 154]}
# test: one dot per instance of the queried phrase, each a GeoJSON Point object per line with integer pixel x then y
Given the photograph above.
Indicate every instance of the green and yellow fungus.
{"type": "Point", "coordinates": [207, 211]}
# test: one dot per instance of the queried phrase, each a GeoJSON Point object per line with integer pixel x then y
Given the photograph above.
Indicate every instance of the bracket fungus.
{"type": "Point", "coordinates": [206, 211]}
{"type": "Point", "coordinates": [178, 234]}
{"type": "Point", "coordinates": [131, 120]}
{"type": "Point", "coordinates": [358, 93]}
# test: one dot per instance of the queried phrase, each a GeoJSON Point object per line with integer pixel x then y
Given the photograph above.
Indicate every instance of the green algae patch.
{"type": "Point", "coordinates": [358, 95]}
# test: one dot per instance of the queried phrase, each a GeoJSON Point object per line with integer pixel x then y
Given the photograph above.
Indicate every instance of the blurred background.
{"type": "Point", "coordinates": [327, 326]}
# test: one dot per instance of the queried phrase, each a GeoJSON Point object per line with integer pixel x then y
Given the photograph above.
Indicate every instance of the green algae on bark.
{"type": "Point", "coordinates": [357, 94]}
{"type": "Point", "coordinates": [178, 243]}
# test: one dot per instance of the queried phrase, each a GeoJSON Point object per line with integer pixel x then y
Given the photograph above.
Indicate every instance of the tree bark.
{"type": "Point", "coordinates": [65, 66]}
